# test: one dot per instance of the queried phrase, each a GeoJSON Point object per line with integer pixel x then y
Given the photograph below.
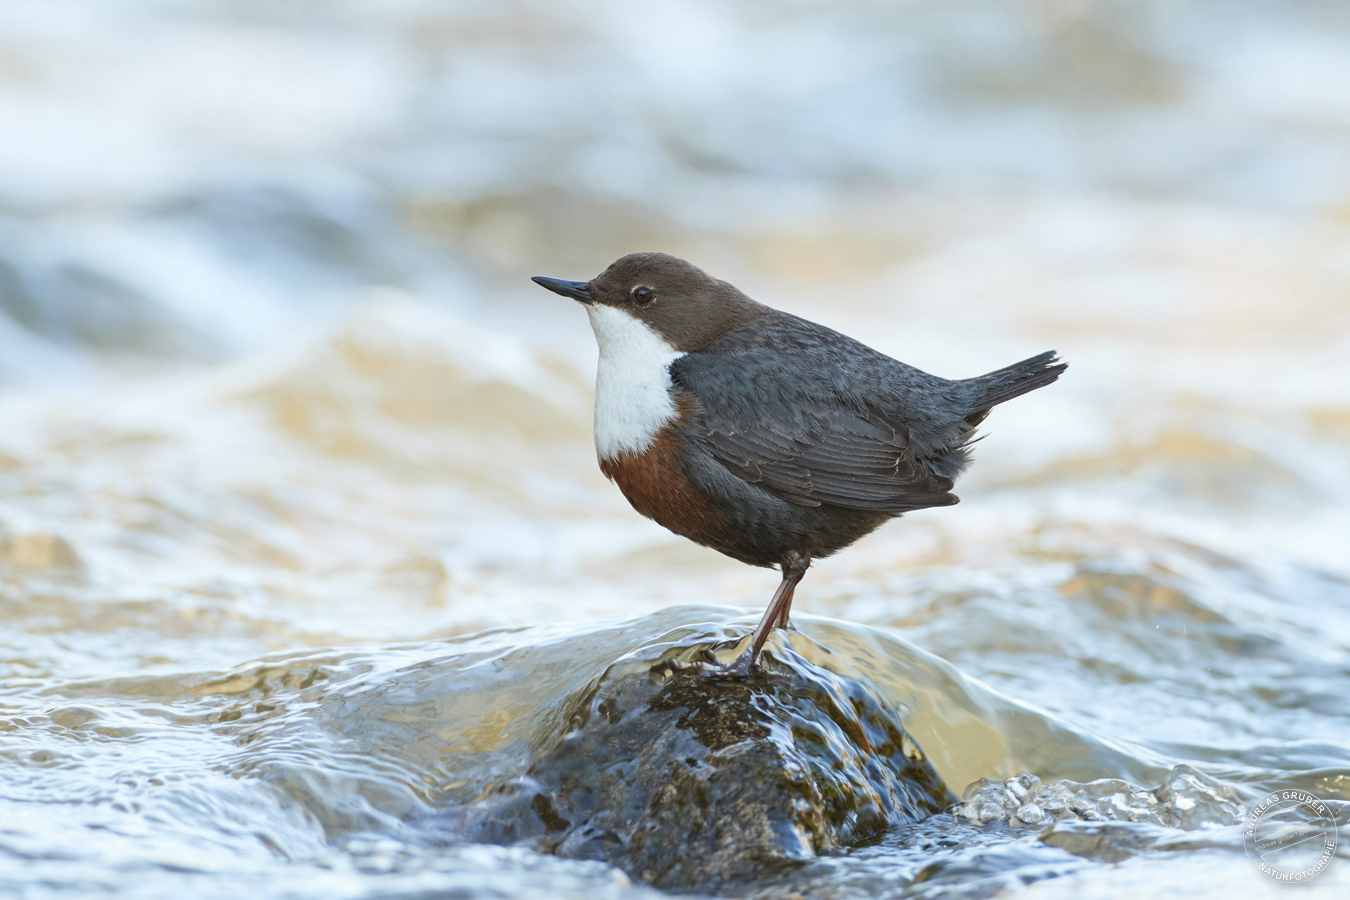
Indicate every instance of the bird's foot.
{"type": "Point", "coordinates": [706, 663]}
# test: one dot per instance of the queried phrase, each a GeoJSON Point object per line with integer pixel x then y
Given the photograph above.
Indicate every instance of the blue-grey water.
{"type": "Point", "coordinates": [301, 533]}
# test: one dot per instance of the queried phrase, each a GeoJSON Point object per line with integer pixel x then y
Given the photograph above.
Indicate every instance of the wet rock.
{"type": "Point", "coordinates": [691, 780]}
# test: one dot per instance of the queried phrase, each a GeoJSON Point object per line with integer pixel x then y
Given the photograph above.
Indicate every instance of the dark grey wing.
{"type": "Point", "coordinates": [859, 462]}
{"type": "Point", "coordinates": [795, 436]}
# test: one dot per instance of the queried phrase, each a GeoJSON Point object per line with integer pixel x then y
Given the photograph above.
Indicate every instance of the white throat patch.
{"type": "Point", "coordinates": [632, 384]}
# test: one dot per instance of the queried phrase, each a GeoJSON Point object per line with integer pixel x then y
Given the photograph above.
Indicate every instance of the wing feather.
{"type": "Point", "coordinates": [854, 460]}
{"type": "Point", "coordinates": [813, 417]}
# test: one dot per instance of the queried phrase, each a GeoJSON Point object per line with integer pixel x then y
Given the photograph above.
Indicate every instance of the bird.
{"type": "Point", "coordinates": [763, 435]}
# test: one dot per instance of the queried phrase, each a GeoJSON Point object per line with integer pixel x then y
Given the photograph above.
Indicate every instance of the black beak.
{"type": "Point", "coordinates": [577, 290]}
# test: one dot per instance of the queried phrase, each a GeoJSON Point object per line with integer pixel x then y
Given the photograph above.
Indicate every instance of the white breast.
{"type": "Point", "coordinates": [632, 383]}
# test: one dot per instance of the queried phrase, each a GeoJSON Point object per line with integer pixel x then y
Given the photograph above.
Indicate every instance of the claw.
{"type": "Point", "coordinates": [794, 566]}
{"type": "Point", "coordinates": [708, 664]}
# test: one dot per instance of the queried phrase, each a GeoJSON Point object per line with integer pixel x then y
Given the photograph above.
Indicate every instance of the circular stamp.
{"type": "Point", "coordinates": [1290, 836]}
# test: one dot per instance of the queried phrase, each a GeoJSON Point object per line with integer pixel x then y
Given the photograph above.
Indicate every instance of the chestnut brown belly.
{"type": "Point", "coordinates": [656, 485]}
{"type": "Point", "coordinates": [688, 492]}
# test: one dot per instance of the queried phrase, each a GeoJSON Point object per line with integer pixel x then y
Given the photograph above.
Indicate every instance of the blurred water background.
{"type": "Point", "coordinates": [282, 418]}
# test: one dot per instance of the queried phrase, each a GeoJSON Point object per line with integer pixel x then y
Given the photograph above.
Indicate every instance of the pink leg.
{"type": "Point", "coordinates": [794, 567]}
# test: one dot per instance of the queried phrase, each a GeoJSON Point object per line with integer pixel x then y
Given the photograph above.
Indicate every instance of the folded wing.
{"type": "Point", "coordinates": [781, 418]}
{"type": "Point", "coordinates": [844, 459]}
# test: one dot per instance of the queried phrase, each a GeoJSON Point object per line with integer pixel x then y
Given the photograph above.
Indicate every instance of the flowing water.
{"type": "Point", "coordinates": [302, 539]}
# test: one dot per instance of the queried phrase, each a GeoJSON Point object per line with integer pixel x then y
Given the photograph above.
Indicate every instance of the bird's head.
{"type": "Point", "coordinates": [676, 300]}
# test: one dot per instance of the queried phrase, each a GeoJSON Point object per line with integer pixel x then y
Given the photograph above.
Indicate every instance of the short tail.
{"type": "Point", "coordinates": [1016, 380]}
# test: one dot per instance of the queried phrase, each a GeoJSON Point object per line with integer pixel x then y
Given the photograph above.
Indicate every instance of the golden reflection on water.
{"type": "Point", "coordinates": [245, 592]}
{"type": "Point", "coordinates": [413, 475]}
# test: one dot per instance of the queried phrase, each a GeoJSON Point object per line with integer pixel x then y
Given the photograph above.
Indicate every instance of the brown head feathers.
{"type": "Point", "coordinates": [681, 302]}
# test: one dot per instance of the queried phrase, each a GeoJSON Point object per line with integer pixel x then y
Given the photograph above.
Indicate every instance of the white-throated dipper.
{"type": "Point", "coordinates": [757, 433]}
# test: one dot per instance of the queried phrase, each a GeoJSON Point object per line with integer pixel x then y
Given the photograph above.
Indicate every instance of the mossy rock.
{"type": "Point", "coordinates": [690, 780]}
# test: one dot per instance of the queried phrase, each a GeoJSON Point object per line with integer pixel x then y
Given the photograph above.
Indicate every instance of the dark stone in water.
{"type": "Point", "coordinates": [691, 780]}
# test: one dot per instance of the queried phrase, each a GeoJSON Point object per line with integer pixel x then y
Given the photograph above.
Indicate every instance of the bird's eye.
{"type": "Point", "coordinates": [643, 294]}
